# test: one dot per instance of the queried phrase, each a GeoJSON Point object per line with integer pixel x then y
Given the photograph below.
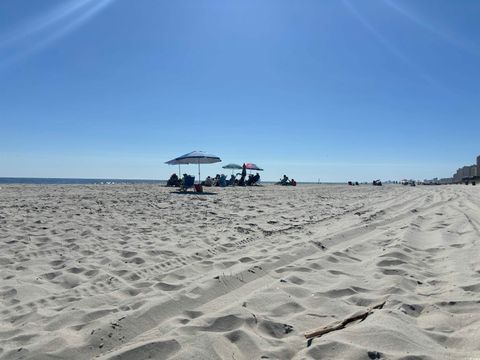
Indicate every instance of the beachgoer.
{"type": "Point", "coordinates": [241, 181]}
{"type": "Point", "coordinates": [208, 182]}
{"type": "Point", "coordinates": [182, 180]}
{"type": "Point", "coordinates": [174, 180]}
{"type": "Point", "coordinates": [187, 181]}
{"type": "Point", "coordinates": [256, 178]}
{"type": "Point", "coordinates": [222, 181]}
{"type": "Point", "coordinates": [284, 180]}
{"type": "Point", "coordinates": [231, 182]}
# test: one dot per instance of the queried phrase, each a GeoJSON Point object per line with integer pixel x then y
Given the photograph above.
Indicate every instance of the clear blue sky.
{"type": "Point", "coordinates": [331, 90]}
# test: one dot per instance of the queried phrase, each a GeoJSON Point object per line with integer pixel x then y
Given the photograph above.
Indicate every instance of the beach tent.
{"type": "Point", "coordinates": [195, 157]}
{"type": "Point", "coordinates": [232, 166]}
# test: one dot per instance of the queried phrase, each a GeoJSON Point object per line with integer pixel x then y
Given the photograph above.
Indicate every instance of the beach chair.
{"type": "Point", "coordinates": [223, 181]}
{"type": "Point", "coordinates": [231, 181]}
{"type": "Point", "coordinates": [187, 183]}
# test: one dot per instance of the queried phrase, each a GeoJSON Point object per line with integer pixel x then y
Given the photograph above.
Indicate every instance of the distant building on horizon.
{"type": "Point", "coordinates": [468, 172]}
{"type": "Point", "coordinates": [457, 177]}
{"type": "Point", "coordinates": [478, 165]}
{"type": "Point", "coordinates": [473, 171]}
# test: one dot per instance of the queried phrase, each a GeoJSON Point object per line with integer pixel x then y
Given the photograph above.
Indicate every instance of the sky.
{"type": "Point", "coordinates": [331, 90]}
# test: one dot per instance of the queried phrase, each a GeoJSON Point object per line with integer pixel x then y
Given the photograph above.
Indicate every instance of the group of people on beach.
{"type": "Point", "coordinates": [286, 182]}
{"type": "Point", "coordinates": [220, 180]}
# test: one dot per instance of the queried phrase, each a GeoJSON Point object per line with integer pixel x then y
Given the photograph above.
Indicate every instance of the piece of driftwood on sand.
{"type": "Point", "coordinates": [338, 325]}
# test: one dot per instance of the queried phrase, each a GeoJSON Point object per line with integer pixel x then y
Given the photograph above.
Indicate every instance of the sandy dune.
{"type": "Point", "coordinates": [138, 272]}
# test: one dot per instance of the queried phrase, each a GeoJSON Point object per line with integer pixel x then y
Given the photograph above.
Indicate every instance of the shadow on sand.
{"type": "Point", "coordinates": [193, 193]}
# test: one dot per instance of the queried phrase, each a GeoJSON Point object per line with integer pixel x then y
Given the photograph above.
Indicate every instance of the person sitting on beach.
{"type": "Point", "coordinates": [240, 182]}
{"type": "Point", "coordinates": [222, 181]}
{"type": "Point", "coordinates": [231, 182]}
{"type": "Point", "coordinates": [173, 181]}
{"type": "Point", "coordinates": [208, 182]}
{"type": "Point", "coordinates": [252, 180]}
{"type": "Point", "coordinates": [186, 182]}
{"type": "Point", "coordinates": [182, 180]}
{"type": "Point", "coordinates": [284, 180]}
{"type": "Point", "coordinates": [292, 182]}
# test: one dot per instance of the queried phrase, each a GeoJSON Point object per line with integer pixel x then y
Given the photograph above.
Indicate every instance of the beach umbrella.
{"type": "Point", "coordinates": [252, 166]}
{"type": "Point", "coordinates": [232, 166]}
{"type": "Point", "coordinates": [195, 157]}
{"type": "Point", "coordinates": [171, 163]}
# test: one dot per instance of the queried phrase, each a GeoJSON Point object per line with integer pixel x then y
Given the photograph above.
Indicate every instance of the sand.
{"type": "Point", "coordinates": [139, 272]}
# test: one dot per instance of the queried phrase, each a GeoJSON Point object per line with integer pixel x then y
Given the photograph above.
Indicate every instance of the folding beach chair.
{"type": "Point", "coordinates": [187, 183]}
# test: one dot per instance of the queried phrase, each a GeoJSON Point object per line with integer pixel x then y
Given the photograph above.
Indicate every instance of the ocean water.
{"type": "Point", "coordinates": [68, 181]}
{"type": "Point", "coordinates": [62, 181]}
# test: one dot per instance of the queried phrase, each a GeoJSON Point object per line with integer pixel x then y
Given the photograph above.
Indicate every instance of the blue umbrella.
{"type": "Point", "coordinates": [195, 157]}
{"type": "Point", "coordinates": [232, 166]}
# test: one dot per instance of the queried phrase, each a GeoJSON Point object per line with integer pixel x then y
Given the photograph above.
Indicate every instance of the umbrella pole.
{"type": "Point", "coordinates": [199, 172]}
{"type": "Point", "coordinates": [179, 172]}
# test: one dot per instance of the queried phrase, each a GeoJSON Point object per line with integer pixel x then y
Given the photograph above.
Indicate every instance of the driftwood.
{"type": "Point", "coordinates": [338, 325]}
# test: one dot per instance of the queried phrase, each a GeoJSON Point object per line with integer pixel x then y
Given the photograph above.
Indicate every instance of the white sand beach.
{"type": "Point", "coordinates": [139, 272]}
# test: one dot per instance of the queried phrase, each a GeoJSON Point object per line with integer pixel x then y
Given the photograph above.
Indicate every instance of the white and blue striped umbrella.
{"type": "Point", "coordinates": [195, 157]}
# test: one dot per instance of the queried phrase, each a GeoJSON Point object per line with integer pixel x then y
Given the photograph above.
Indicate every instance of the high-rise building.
{"type": "Point", "coordinates": [473, 171]}
{"type": "Point", "coordinates": [478, 165]}
{"type": "Point", "coordinates": [465, 171]}
{"type": "Point", "coordinates": [457, 177]}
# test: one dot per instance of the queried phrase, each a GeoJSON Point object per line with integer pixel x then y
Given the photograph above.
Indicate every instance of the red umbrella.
{"type": "Point", "coordinates": [252, 166]}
